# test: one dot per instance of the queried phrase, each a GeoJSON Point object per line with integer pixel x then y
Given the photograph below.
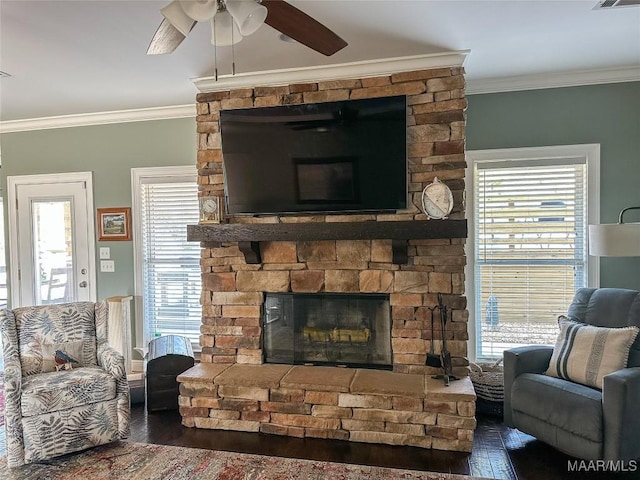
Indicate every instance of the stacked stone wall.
{"type": "Point", "coordinates": [233, 291]}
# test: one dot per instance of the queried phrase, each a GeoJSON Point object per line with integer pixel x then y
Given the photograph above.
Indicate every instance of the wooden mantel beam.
{"type": "Point", "coordinates": [371, 230]}
{"type": "Point", "coordinates": [249, 234]}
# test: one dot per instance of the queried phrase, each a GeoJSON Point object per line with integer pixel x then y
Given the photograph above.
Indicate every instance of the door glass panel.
{"type": "Point", "coordinates": [53, 251]}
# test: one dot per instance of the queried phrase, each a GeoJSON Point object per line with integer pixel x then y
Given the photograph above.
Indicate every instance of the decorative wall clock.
{"type": "Point", "coordinates": [437, 200]}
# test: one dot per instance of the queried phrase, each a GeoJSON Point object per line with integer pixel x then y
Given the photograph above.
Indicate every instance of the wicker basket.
{"type": "Point", "coordinates": [488, 381]}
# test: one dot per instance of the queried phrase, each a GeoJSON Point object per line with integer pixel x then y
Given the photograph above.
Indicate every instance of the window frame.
{"type": "Point", "coordinates": [588, 153]}
{"type": "Point", "coordinates": [4, 275]}
{"type": "Point", "coordinates": [139, 176]}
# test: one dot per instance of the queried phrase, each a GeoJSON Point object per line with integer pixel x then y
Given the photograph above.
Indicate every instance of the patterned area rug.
{"type": "Point", "coordinates": [137, 461]}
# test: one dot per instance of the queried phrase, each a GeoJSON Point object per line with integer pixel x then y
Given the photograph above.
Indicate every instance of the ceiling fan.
{"type": "Point", "coordinates": [231, 20]}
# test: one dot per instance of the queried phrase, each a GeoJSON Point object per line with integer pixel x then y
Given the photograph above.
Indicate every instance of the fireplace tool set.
{"type": "Point", "coordinates": [443, 360]}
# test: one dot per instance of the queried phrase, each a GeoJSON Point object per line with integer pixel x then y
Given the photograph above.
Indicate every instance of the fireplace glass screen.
{"type": "Point", "coordinates": [328, 329]}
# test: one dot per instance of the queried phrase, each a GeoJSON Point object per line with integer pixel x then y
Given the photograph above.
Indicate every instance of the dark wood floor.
{"type": "Point", "coordinates": [499, 452]}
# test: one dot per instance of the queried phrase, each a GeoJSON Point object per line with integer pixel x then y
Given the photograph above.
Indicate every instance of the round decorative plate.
{"type": "Point", "coordinates": [437, 200]}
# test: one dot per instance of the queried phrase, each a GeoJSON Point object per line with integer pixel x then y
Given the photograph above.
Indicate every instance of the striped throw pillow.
{"type": "Point", "coordinates": [585, 353]}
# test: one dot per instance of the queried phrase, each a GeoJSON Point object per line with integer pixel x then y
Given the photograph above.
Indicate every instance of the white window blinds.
{"type": "Point", "coordinates": [170, 265]}
{"type": "Point", "coordinates": [530, 249]}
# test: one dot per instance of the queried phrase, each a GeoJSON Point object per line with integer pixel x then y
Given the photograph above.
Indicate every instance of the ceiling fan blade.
{"type": "Point", "coordinates": [166, 39]}
{"type": "Point", "coordinates": [296, 24]}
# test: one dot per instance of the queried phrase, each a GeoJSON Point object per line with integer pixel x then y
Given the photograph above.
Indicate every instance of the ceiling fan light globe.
{"type": "Point", "coordinates": [177, 17]}
{"type": "Point", "coordinates": [248, 14]}
{"type": "Point", "coordinates": [224, 31]}
{"type": "Point", "coordinates": [200, 10]}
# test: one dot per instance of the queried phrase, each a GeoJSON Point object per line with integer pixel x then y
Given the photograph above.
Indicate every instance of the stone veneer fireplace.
{"type": "Point", "coordinates": [400, 255]}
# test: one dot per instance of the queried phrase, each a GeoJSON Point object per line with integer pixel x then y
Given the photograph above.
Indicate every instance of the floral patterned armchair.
{"type": "Point", "coordinates": [65, 388]}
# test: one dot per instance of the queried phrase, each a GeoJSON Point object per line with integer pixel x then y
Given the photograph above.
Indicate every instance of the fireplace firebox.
{"type": "Point", "coordinates": [352, 330]}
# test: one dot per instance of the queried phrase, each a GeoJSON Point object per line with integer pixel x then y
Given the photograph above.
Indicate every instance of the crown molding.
{"type": "Point", "coordinates": [552, 80]}
{"type": "Point", "coordinates": [362, 69]}
{"type": "Point", "coordinates": [99, 118]}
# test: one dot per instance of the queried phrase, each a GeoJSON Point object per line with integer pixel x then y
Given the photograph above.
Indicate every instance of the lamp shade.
{"type": "Point", "coordinates": [177, 17]}
{"type": "Point", "coordinates": [248, 14]}
{"type": "Point", "coordinates": [224, 31]}
{"type": "Point", "coordinates": [615, 240]}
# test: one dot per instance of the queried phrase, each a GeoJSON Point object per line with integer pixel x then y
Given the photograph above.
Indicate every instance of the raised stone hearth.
{"type": "Point", "coordinates": [403, 255]}
{"type": "Point", "coordinates": [329, 402]}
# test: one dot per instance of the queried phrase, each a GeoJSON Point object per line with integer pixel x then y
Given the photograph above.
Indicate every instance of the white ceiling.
{"type": "Point", "coordinates": [76, 57]}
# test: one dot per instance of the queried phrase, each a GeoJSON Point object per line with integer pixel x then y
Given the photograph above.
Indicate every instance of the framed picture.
{"type": "Point", "coordinates": [114, 224]}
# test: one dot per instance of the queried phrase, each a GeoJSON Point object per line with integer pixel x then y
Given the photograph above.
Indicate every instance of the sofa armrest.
{"type": "Point", "coordinates": [112, 361]}
{"type": "Point", "coordinates": [12, 388]}
{"type": "Point", "coordinates": [620, 400]}
{"type": "Point", "coordinates": [529, 359]}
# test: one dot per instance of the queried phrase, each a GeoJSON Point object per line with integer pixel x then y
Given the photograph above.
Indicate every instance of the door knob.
{"type": "Point", "coordinates": [82, 284]}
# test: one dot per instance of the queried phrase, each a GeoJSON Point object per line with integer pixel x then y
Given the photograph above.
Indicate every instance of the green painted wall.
{"type": "Point", "coordinates": [109, 151]}
{"type": "Point", "coordinates": [604, 114]}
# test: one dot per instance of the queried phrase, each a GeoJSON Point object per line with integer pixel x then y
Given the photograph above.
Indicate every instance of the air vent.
{"type": "Point", "coordinates": [605, 4]}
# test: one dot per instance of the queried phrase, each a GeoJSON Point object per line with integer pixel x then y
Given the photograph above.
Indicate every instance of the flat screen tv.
{"type": "Point", "coordinates": [347, 156]}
